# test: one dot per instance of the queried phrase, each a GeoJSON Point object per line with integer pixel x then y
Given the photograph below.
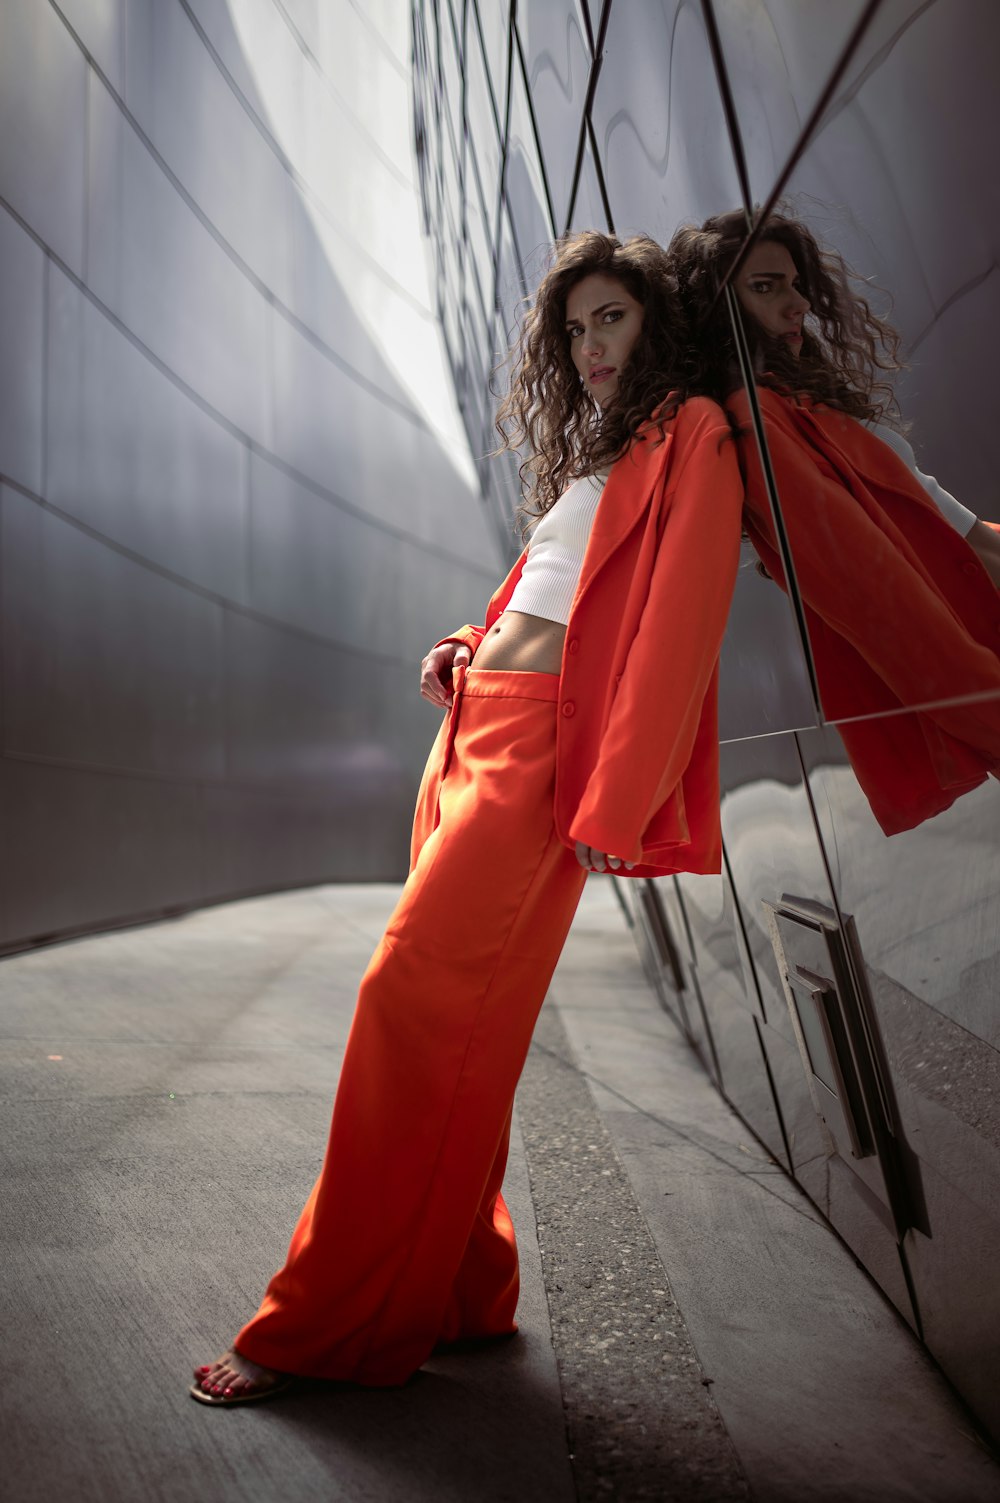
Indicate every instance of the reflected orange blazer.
{"type": "Point", "coordinates": [637, 754]}
{"type": "Point", "coordinates": [900, 611]}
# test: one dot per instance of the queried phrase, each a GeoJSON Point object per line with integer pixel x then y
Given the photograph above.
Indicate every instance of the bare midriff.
{"type": "Point", "coordinates": [522, 644]}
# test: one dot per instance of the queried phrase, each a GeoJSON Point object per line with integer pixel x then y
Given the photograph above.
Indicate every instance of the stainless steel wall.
{"type": "Point", "coordinates": [840, 984]}
{"type": "Point", "coordinates": [230, 463]}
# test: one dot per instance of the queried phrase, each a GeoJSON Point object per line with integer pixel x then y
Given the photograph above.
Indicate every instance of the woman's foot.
{"type": "Point", "coordinates": [233, 1379]}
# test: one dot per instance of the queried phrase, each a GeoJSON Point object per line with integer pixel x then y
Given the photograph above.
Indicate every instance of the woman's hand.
{"type": "Point", "coordinates": [598, 861]}
{"type": "Point", "coordinates": [436, 671]}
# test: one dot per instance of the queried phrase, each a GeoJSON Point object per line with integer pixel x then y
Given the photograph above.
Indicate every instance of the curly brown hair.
{"type": "Point", "coordinates": [547, 409]}
{"type": "Point", "coordinates": [846, 347]}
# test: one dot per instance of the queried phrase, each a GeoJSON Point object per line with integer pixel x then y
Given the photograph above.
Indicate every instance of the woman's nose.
{"type": "Point", "coordinates": [592, 343]}
{"type": "Point", "coordinates": [800, 303]}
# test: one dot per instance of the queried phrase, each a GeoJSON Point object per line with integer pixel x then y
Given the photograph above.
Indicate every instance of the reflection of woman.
{"type": "Point", "coordinates": [900, 611]}
{"type": "Point", "coordinates": [586, 725]}
{"type": "Point", "coordinates": [836, 359]}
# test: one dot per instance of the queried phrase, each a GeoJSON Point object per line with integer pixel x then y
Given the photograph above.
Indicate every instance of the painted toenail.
{"type": "Point", "coordinates": [226, 1392]}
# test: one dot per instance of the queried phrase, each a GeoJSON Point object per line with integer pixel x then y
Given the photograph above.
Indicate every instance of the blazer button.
{"type": "Point", "coordinates": [970, 569]}
{"type": "Point", "coordinates": [573, 645]}
{"type": "Point", "coordinates": [569, 708]}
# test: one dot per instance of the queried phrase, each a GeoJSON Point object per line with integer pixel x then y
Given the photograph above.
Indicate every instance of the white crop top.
{"type": "Point", "coordinates": [551, 571]}
{"type": "Point", "coordinates": [555, 552]}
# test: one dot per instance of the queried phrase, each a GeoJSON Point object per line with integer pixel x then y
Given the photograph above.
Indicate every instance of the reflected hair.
{"type": "Point", "coordinates": [847, 349]}
{"type": "Point", "coordinates": [547, 409]}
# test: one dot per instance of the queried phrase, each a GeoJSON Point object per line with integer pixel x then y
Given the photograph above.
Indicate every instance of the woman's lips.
{"type": "Point", "coordinates": [601, 373]}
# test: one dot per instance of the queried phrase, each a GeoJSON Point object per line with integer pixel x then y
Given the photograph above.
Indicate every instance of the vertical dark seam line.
{"type": "Point", "coordinates": [474, 7]}
{"type": "Point", "coordinates": [463, 153]}
{"type": "Point", "coordinates": [911, 1289]}
{"type": "Point", "coordinates": [706, 1021]}
{"type": "Point", "coordinates": [728, 107]}
{"type": "Point", "coordinates": [577, 169]}
{"type": "Point", "coordinates": [602, 30]}
{"type": "Point", "coordinates": [805, 137]}
{"type": "Point", "coordinates": [248, 553]}
{"type": "Point", "coordinates": [588, 26]}
{"type": "Point", "coordinates": [502, 190]}
{"type": "Point", "coordinates": [225, 707]}
{"type": "Point", "coordinates": [602, 187]}
{"type": "Point", "coordinates": [824, 854]}
{"type": "Point", "coordinates": [741, 927]}
{"type": "Point", "coordinates": [505, 131]}
{"type": "Point", "coordinates": [585, 130]}
{"type": "Point", "coordinates": [3, 634]}
{"type": "Point", "coordinates": [43, 467]}
{"type": "Point", "coordinates": [502, 150]}
{"type": "Point", "coordinates": [819, 109]}
{"type": "Point", "coordinates": [746, 370]}
{"type": "Point", "coordinates": [123, 51]}
{"type": "Point", "coordinates": [776, 1099]}
{"type": "Point", "coordinates": [534, 130]}
{"type": "Point", "coordinates": [89, 82]}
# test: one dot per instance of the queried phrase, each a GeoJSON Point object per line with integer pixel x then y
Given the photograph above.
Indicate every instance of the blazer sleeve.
{"type": "Point", "coordinates": [670, 667]}
{"type": "Point", "coordinates": [868, 584]}
{"type": "Point", "coordinates": [469, 636]}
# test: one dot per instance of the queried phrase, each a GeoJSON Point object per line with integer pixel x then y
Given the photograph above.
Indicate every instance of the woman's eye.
{"type": "Point", "coordinates": [760, 286]}
{"type": "Point", "coordinates": [612, 316]}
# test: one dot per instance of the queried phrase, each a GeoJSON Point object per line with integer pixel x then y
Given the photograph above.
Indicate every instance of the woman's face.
{"type": "Point", "coordinates": [603, 322]}
{"type": "Point", "coordinates": [768, 289]}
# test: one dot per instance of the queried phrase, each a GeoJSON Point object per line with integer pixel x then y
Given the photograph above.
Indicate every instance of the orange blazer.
{"type": "Point", "coordinates": [637, 755]}
{"type": "Point", "coordinates": [900, 610]}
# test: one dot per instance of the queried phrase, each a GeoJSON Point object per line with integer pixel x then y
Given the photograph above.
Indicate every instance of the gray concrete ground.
{"type": "Point", "coordinates": [689, 1327]}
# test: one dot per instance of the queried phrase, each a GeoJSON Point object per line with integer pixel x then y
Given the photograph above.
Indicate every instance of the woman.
{"type": "Point", "coordinates": [897, 580]}
{"type": "Point", "coordinates": [581, 735]}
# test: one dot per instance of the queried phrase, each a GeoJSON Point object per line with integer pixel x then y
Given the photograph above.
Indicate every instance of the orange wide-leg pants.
{"type": "Point", "coordinates": [405, 1240]}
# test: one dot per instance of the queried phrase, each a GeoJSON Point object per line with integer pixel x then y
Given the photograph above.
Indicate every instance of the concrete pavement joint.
{"type": "Point", "coordinates": [639, 1413]}
{"type": "Point", "coordinates": [568, 1063]}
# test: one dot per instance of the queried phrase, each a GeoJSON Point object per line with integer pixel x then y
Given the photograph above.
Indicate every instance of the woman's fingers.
{"type": "Point", "coordinates": [431, 685]}
{"type": "Point", "coordinates": [436, 671]}
{"type": "Point", "coordinates": [598, 861]}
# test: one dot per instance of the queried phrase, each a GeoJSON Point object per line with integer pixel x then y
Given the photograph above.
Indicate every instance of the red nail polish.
{"type": "Point", "coordinates": [226, 1392]}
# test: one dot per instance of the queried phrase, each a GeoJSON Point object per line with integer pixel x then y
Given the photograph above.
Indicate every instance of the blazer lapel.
{"type": "Point", "coordinates": [845, 441]}
{"type": "Point", "coordinates": [625, 499]}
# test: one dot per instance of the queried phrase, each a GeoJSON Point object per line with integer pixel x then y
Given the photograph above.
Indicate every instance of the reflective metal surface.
{"type": "Point", "coordinates": [236, 507]}
{"type": "Point", "coordinates": [230, 464]}
{"type": "Point", "coordinates": [839, 977]}
{"type": "Point", "coordinates": [926, 905]}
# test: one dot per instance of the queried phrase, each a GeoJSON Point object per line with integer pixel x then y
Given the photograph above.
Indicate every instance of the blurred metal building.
{"type": "Point", "coordinates": [230, 459]}
{"type": "Point", "coordinates": [840, 985]}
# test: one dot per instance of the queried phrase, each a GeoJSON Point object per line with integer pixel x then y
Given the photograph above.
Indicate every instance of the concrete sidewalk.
{"type": "Point", "coordinates": [689, 1327]}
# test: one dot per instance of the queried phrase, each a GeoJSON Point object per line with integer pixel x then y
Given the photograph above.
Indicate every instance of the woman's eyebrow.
{"type": "Point", "coordinates": [614, 303]}
{"type": "Point", "coordinates": [778, 276]}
